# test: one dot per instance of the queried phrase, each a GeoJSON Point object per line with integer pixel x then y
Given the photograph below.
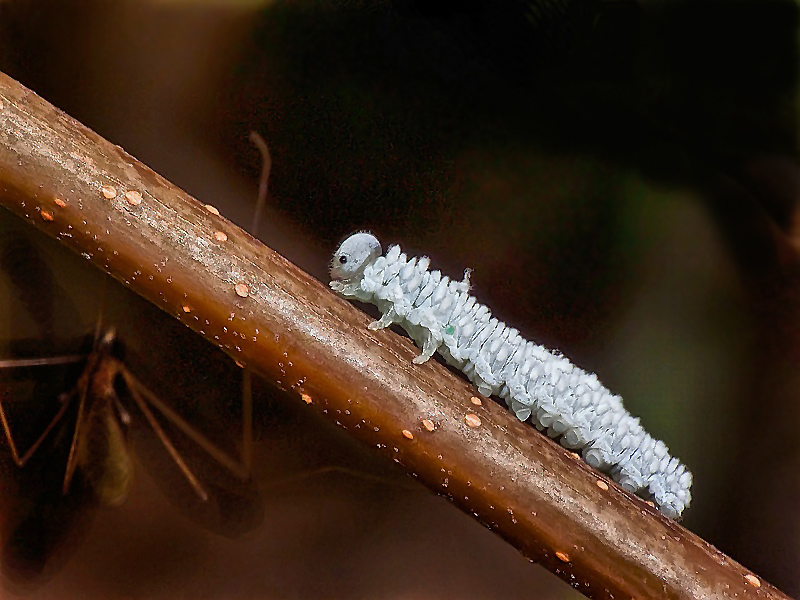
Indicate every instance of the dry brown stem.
{"type": "Point", "coordinates": [273, 317]}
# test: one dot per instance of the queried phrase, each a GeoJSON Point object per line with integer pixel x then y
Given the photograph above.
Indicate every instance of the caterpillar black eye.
{"type": "Point", "coordinates": [536, 384]}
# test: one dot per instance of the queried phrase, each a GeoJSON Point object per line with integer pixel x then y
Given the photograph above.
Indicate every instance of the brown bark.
{"type": "Point", "coordinates": [269, 315]}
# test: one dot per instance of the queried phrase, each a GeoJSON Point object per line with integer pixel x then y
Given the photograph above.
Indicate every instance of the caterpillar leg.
{"type": "Point", "coordinates": [389, 317]}
{"type": "Point", "coordinates": [429, 348]}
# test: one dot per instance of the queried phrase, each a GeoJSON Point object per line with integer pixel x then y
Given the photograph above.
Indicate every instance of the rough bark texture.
{"type": "Point", "coordinates": [266, 313]}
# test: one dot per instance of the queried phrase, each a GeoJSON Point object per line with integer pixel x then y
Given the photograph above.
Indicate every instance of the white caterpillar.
{"type": "Point", "coordinates": [570, 404]}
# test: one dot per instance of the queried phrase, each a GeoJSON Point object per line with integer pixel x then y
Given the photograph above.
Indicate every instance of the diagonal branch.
{"type": "Point", "coordinates": [267, 314]}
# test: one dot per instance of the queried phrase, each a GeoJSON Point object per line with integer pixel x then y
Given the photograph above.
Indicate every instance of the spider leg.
{"type": "Point", "coordinates": [139, 389]}
{"type": "Point", "coordinates": [247, 420]}
{"type": "Point", "coordinates": [67, 359]}
{"type": "Point", "coordinates": [35, 362]}
{"type": "Point", "coordinates": [134, 387]}
{"type": "Point", "coordinates": [20, 461]}
{"type": "Point", "coordinates": [263, 183]}
{"type": "Point", "coordinates": [72, 461]}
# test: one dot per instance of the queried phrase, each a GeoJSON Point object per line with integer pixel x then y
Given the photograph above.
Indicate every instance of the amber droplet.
{"type": "Point", "coordinates": [221, 236]}
{"type": "Point", "coordinates": [60, 202]}
{"type": "Point", "coordinates": [306, 398]}
{"type": "Point", "coordinates": [47, 216]}
{"type": "Point", "coordinates": [212, 209]}
{"type": "Point", "coordinates": [241, 290]}
{"type": "Point", "coordinates": [602, 485]}
{"type": "Point", "coordinates": [562, 556]}
{"type": "Point", "coordinates": [408, 434]}
{"type": "Point", "coordinates": [476, 401]}
{"type": "Point", "coordinates": [108, 191]}
{"type": "Point", "coordinates": [134, 198]}
{"type": "Point", "coordinates": [753, 580]}
{"type": "Point", "coordinates": [187, 308]}
{"type": "Point", "coordinates": [428, 424]}
{"type": "Point", "coordinates": [472, 420]}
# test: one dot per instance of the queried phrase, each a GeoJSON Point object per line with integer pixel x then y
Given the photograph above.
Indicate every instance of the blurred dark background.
{"type": "Point", "coordinates": [621, 176]}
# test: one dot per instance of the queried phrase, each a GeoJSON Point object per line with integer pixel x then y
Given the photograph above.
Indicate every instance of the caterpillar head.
{"type": "Point", "coordinates": [355, 253]}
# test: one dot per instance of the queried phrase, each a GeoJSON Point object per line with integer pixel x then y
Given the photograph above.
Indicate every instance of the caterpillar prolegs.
{"type": "Point", "coordinates": [537, 385]}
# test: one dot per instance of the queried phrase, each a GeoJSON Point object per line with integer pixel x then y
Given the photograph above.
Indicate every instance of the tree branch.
{"type": "Point", "coordinates": [273, 317]}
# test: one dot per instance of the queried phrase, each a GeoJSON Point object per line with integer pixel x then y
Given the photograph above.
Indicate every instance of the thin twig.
{"type": "Point", "coordinates": [263, 183]}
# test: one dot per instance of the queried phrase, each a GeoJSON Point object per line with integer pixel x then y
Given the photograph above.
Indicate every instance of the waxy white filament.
{"type": "Point", "coordinates": [538, 385]}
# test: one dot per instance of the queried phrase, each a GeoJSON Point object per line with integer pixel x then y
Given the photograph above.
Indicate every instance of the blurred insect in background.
{"type": "Point", "coordinates": [93, 417]}
{"type": "Point", "coordinates": [99, 444]}
{"type": "Point", "coordinates": [99, 441]}
{"type": "Point", "coordinates": [72, 410]}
